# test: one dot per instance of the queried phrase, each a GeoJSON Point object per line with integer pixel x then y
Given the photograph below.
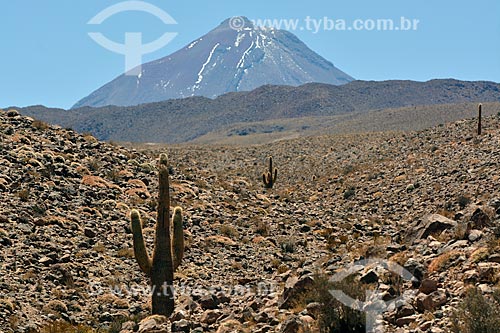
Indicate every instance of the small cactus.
{"type": "Point", "coordinates": [479, 119]}
{"type": "Point", "coordinates": [168, 249]}
{"type": "Point", "coordinates": [269, 178]}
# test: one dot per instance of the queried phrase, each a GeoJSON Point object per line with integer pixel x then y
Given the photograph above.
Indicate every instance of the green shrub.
{"type": "Point", "coordinates": [350, 192]}
{"type": "Point", "coordinates": [463, 201]}
{"type": "Point", "coordinates": [334, 316]}
{"type": "Point", "coordinates": [477, 314]}
{"type": "Point", "coordinates": [287, 244]}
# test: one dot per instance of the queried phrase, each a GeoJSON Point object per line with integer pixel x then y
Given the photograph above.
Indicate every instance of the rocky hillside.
{"type": "Point", "coordinates": [183, 120]}
{"type": "Point", "coordinates": [411, 118]}
{"type": "Point", "coordinates": [256, 260]}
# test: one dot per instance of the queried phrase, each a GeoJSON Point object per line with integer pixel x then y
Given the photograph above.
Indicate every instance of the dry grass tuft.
{"type": "Point", "coordinates": [443, 261]}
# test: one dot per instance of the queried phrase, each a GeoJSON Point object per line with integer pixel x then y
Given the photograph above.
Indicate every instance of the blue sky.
{"type": "Point", "coordinates": [48, 58]}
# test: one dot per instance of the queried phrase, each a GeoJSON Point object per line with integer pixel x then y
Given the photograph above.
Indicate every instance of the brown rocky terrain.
{"type": "Point", "coordinates": [427, 200]}
{"type": "Point", "coordinates": [400, 119]}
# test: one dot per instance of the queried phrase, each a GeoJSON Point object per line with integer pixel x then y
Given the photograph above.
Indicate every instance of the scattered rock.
{"type": "Point", "coordinates": [210, 316]}
{"type": "Point", "coordinates": [154, 324]}
{"type": "Point", "coordinates": [181, 326]}
{"type": "Point", "coordinates": [428, 286]}
{"type": "Point", "coordinates": [12, 113]}
{"type": "Point", "coordinates": [416, 269]}
{"type": "Point", "coordinates": [66, 199]}
{"type": "Point", "coordinates": [488, 271]}
{"type": "Point", "coordinates": [229, 326]}
{"type": "Point", "coordinates": [294, 325]}
{"type": "Point", "coordinates": [369, 277]}
{"type": "Point", "coordinates": [478, 217]}
{"type": "Point", "coordinates": [314, 309]}
{"type": "Point", "coordinates": [46, 261]}
{"type": "Point", "coordinates": [405, 311]}
{"type": "Point", "coordinates": [208, 302]}
{"type": "Point", "coordinates": [475, 235]}
{"type": "Point", "coordinates": [90, 233]}
{"type": "Point", "coordinates": [403, 321]}
{"type": "Point", "coordinates": [495, 257]}
{"type": "Point", "coordinates": [432, 301]}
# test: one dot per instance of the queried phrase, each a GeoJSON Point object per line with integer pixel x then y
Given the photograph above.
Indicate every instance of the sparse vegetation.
{"type": "Point", "coordinates": [269, 178]}
{"type": "Point", "coordinates": [444, 261]}
{"type": "Point", "coordinates": [463, 201]}
{"type": "Point", "coordinates": [477, 314]}
{"type": "Point", "coordinates": [169, 248]}
{"type": "Point", "coordinates": [288, 244]}
{"type": "Point", "coordinates": [333, 315]}
{"type": "Point", "coordinates": [61, 326]}
{"type": "Point", "coordinates": [23, 195]}
{"type": "Point", "coordinates": [39, 209]}
{"type": "Point", "coordinates": [7, 304]}
{"type": "Point", "coordinates": [125, 253]}
{"type": "Point", "coordinates": [348, 169]}
{"type": "Point", "coordinates": [350, 192]}
{"type": "Point", "coordinates": [113, 175]}
{"type": "Point", "coordinates": [55, 307]}
{"type": "Point", "coordinates": [481, 254]}
{"type": "Point", "coordinates": [94, 164]}
{"type": "Point", "coordinates": [40, 125]}
{"type": "Point", "coordinates": [262, 228]}
{"type": "Point", "coordinates": [73, 229]}
{"type": "Point", "coordinates": [99, 248]}
{"type": "Point", "coordinates": [89, 137]}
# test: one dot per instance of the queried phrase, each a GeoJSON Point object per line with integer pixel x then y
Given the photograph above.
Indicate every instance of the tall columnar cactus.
{"type": "Point", "coordinates": [480, 107]}
{"type": "Point", "coordinates": [168, 249]}
{"type": "Point", "coordinates": [269, 178]}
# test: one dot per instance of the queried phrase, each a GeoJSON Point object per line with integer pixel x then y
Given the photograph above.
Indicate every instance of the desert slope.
{"type": "Point", "coordinates": [67, 250]}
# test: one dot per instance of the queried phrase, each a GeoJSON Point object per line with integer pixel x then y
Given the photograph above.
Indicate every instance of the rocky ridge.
{"type": "Point", "coordinates": [194, 117]}
{"type": "Point", "coordinates": [427, 200]}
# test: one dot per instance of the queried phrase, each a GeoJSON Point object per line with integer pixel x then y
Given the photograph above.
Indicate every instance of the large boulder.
{"type": "Point", "coordinates": [432, 301]}
{"type": "Point", "coordinates": [433, 224]}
